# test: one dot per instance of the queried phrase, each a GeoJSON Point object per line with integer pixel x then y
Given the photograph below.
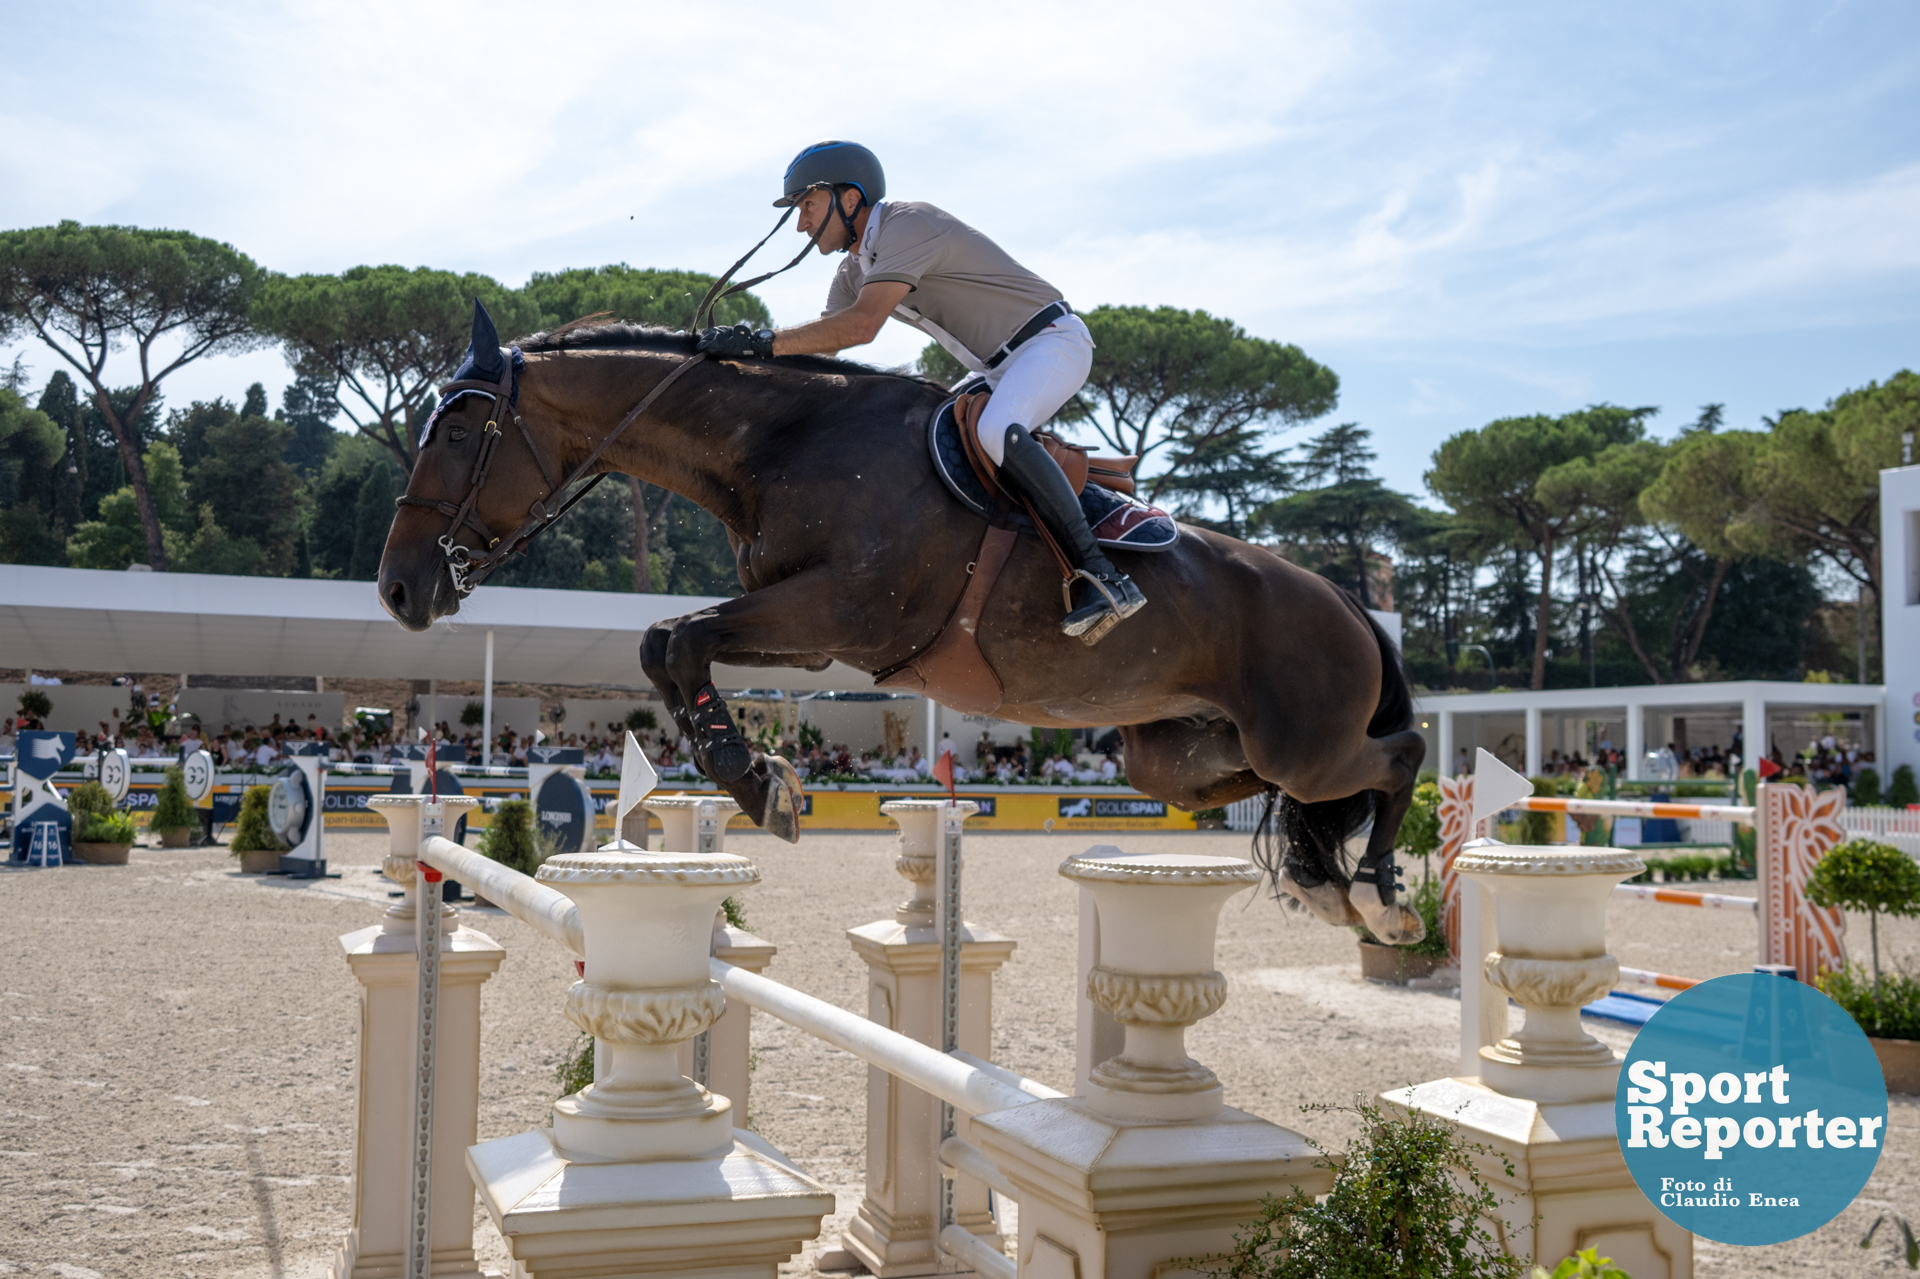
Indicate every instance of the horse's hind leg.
{"type": "Point", "coordinates": [1373, 891]}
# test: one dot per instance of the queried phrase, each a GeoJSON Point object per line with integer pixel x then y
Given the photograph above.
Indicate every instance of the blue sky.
{"type": "Point", "coordinates": [1467, 211]}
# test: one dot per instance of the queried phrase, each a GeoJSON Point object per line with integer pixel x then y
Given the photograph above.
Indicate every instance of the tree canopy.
{"type": "Point", "coordinates": [86, 291]}
{"type": "Point", "coordinates": [636, 295]}
{"type": "Point", "coordinates": [384, 337]}
{"type": "Point", "coordinates": [1170, 386]}
{"type": "Point", "coordinates": [1492, 476]}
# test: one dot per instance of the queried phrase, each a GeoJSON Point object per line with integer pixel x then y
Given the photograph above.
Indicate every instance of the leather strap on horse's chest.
{"type": "Point", "coordinates": [952, 670]}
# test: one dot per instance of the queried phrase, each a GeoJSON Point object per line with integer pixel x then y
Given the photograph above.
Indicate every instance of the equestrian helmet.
{"type": "Point", "coordinates": [834, 163]}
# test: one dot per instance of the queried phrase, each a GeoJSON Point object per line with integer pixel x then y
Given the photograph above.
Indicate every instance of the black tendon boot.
{"type": "Point", "coordinates": [1102, 595]}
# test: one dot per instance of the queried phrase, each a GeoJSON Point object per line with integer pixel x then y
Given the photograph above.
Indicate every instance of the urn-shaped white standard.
{"type": "Point", "coordinates": [648, 920]}
{"type": "Point", "coordinates": [1159, 914]}
{"type": "Point", "coordinates": [1550, 915]}
{"type": "Point", "coordinates": [680, 820]}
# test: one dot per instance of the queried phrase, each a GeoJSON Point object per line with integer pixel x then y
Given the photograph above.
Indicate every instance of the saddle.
{"type": "Point", "coordinates": [952, 670]}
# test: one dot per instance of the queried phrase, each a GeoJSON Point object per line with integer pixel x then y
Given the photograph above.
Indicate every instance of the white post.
{"type": "Point", "coordinates": [486, 708]}
{"type": "Point", "coordinates": [1483, 1009]}
{"type": "Point", "coordinates": [1444, 765]}
{"type": "Point", "coordinates": [1541, 1100]}
{"type": "Point", "coordinates": [893, 1232]}
{"type": "Point", "coordinates": [642, 1169]}
{"type": "Point", "coordinates": [933, 729]}
{"type": "Point", "coordinates": [1753, 733]}
{"type": "Point", "coordinates": [1636, 739]}
{"type": "Point", "coordinates": [385, 962]}
{"type": "Point", "coordinates": [1130, 1177]}
{"type": "Point", "coordinates": [1532, 761]}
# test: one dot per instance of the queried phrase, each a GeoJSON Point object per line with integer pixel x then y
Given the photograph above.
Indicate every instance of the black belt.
{"type": "Point", "coordinates": [1042, 319]}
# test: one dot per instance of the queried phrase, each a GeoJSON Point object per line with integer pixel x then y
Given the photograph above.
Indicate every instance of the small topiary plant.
{"type": "Point", "coordinates": [171, 808]}
{"type": "Point", "coordinates": [473, 715]}
{"type": "Point", "coordinates": [511, 838]}
{"type": "Point", "coordinates": [1902, 793]}
{"type": "Point", "coordinates": [112, 827]}
{"type": "Point", "coordinates": [1862, 875]}
{"type": "Point", "coordinates": [1406, 1200]}
{"type": "Point", "coordinates": [642, 720]}
{"type": "Point", "coordinates": [35, 704]}
{"type": "Point", "coordinates": [252, 832]}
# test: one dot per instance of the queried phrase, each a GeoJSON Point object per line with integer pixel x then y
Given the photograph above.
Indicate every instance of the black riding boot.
{"type": "Point", "coordinates": [1102, 595]}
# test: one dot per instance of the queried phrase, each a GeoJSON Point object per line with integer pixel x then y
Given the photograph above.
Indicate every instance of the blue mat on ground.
{"type": "Point", "coordinates": [1623, 1007]}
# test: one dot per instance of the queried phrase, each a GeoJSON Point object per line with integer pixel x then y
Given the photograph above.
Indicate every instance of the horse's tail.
{"type": "Point", "coordinates": [1309, 840]}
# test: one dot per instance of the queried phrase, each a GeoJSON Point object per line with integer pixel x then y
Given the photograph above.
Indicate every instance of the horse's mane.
{"type": "Point", "coordinates": [646, 337]}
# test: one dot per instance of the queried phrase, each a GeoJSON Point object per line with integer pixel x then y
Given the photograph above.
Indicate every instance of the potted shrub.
{"type": "Point", "coordinates": [253, 840]}
{"type": "Point", "coordinates": [1901, 792]}
{"type": "Point", "coordinates": [102, 834]}
{"type": "Point", "coordinates": [1407, 1199]}
{"type": "Point", "coordinates": [172, 812]}
{"type": "Point", "coordinates": [1878, 879]}
{"type": "Point", "coordinates": [511, 839]}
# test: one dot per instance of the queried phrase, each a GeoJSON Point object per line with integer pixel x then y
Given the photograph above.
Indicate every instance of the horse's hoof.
{"type": "Point", "coordinates": [781, 815]}
{"type": "Point", "coordinates": [1393, 925]}
{"type": "Point", "coordinates": [729, 759]}
{"type": "Point", "coordinates": [1327, 901]}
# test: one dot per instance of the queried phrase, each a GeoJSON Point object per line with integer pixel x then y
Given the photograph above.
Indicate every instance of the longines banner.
{"type": "Point", "coordinates": [1751, 1109]}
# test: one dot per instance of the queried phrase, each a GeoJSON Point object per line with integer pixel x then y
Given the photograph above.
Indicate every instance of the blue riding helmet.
{"type": "Point", "coordinates": [834, 163]}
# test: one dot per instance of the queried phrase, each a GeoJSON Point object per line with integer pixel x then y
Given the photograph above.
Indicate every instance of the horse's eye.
{"type": "Point", "coordinates": [456, 433]}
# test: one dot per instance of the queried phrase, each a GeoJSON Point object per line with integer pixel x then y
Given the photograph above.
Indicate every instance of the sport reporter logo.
{"type": "Point", "coordinates": [1751, 1109]}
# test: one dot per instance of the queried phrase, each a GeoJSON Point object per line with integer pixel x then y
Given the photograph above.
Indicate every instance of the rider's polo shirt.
{"type": "Point", "coordinates": [962, 282]}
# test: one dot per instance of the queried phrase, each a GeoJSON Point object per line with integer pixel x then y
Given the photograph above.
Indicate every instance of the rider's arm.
{"type": "Point", "coordinates": [858, 325]}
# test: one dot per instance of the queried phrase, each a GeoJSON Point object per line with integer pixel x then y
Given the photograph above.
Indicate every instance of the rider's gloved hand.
{"type": "Point", "coordinates": [736, 343]}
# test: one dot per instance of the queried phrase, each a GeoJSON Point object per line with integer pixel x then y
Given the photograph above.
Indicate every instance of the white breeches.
{"type": "Point", "coordinates": [1030, 385]}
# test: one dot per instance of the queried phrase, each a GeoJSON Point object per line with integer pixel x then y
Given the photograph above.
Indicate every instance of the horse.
{"type": "Point", "coordinates": [1247, 675]}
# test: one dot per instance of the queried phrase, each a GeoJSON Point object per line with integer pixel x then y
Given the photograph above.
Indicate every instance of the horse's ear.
{"type": "Point", "coordinates": [484, 349]}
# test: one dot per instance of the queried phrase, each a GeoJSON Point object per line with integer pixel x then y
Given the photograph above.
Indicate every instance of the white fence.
{"type": "Point", "coordinates": [1897, 826]}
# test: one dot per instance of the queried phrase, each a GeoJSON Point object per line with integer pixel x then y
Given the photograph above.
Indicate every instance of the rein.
{"type": "Point", "coordinates": [469, 569]}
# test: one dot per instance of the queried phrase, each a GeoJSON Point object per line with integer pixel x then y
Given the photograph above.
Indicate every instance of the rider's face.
{"type": "Point", "coordinates": [817, 206]}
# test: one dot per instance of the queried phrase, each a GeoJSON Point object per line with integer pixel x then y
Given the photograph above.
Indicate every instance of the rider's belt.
{"type": "Point", "coordinates": [1042, 318]}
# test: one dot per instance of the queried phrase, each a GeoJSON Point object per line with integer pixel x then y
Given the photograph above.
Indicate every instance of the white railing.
{"type": "Point", "coordinates": [1897, 826]}
{"type": "Point", "coordinates": [961, 1080]}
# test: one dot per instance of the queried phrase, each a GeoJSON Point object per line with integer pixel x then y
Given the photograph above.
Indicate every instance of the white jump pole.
{"type": "Point", "coordinates": [486, 708]}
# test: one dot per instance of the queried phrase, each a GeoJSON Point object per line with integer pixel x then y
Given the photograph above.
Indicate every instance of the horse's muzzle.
{"type": "Point", "coordinates": [416, 604]}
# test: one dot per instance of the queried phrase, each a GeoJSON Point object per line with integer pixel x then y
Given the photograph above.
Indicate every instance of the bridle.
{"type": "Point", "coordinates": [469, 568]}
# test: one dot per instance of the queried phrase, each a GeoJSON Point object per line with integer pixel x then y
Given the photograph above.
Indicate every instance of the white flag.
{"type": "Point", "coordinates": [637, 780]}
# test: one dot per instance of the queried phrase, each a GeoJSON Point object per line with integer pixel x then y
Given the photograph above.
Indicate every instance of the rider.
{"type": "Point", "coordinates": [1008, 326]}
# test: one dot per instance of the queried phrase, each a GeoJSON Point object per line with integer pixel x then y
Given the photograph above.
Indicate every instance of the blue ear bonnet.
{"type": "Point", "coordinates": [471, 367]}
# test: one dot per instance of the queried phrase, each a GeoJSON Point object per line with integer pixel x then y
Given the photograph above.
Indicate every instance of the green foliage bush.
{"type": "Point", "coordinates": [1540, 828]}
{"type": "Point", "coordinates": [1886, 1008]}
{"type": "Point", "coordinates": [473, 715]}
{"type": "Point", "coordinates": [1407, 1201]}
{"type": "Point", "coordinates": [575, 1070]}
{"type": "Point", "coordinates": [642, 720]}
{"type": "Point", "coordinates": [1427, 903]}
{"type": "Point", "coordinates": [511, 838]}
{"type": "Point", "coordinates": [171, 808]}
{"type": "Point", "coordinates": [1420, 829]}
{"type": "Point", "coordinates": [1902, 792]}
{"type": "Point", "coordinates": [1585, 1264]}
{"type": "Point", "coordinates": [1866, 789]}
{"type": "Point", "coordinates": [88, 799]}
{"type": "Point", "coordinates": [111, 827]}
{"type": "Point", "coordinates": [35, 703]}
{"type": "Point", "coordinates": [251, 831]}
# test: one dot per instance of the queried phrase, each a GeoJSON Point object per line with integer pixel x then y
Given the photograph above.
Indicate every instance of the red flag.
{"type": "Point", "coordinates": [1767, 768]}
{"type": "Point", "coordinates": [943, 772]}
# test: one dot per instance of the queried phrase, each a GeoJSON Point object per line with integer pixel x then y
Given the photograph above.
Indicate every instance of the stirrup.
{"type": "Point", "coordinates": [1091, 630]}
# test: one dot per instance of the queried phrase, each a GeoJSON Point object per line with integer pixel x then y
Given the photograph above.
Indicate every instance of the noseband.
{"type": "Point", "coordinates": [469, 568]}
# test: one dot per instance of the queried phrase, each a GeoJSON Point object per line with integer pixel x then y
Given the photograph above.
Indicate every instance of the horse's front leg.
{"type": "Point", "coordinates": [776, 624]}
